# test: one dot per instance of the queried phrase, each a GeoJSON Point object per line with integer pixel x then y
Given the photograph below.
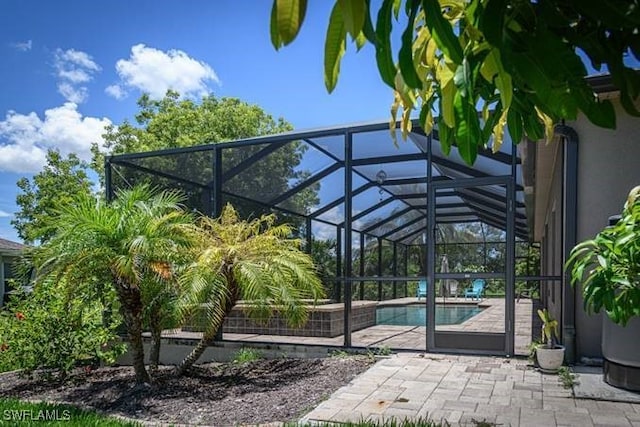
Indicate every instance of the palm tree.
{"type": "Point", "coordinates": [130, 241]}
{"type": "Point", "coordinates": [255, 261]}
{"type": "Point", "coordinates": [160, 311]}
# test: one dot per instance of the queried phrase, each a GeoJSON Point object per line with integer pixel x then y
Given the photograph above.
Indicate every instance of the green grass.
{"type": "Point", "coordinates": [16, 412]}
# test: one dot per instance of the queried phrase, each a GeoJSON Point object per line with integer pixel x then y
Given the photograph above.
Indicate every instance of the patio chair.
{"type": "Point", "coordinates": [476, 289]}
{"type": "Point", "coordinates": [422, 289]}
{"type": "Point", "coordinates": [453, 288]}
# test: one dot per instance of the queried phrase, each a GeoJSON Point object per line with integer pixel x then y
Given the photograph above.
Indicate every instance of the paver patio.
{"type": "Point", "coordinates": [464, 390]}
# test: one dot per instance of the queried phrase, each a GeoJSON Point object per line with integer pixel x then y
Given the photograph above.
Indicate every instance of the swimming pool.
{"type": "Point", "coordinates": [416, 314]}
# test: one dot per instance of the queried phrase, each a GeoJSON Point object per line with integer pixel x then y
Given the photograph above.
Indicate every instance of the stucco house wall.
{"type": "Point", "coordinates": [608, 166]}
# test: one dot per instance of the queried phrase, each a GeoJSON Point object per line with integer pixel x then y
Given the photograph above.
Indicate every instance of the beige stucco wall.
{"type": "Point", "coordinates": [550, 227]}
{"type": "Point", "coordinates": [608, 167]}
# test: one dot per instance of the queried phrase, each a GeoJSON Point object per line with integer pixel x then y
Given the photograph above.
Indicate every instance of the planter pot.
{"type": "Point", "coordinates": [550, 359]}
{"type": "Point", "coordinates": [621, 352]}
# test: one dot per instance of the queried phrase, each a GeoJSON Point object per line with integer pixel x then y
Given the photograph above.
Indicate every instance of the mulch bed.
{"type": "Point", "coordinates": [214, 394]}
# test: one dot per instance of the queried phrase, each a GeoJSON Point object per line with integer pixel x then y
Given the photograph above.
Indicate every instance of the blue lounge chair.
{"type": "Point", "coordinates": [476, 290]}
{"type": "Point", "coordinates": [422, 289]}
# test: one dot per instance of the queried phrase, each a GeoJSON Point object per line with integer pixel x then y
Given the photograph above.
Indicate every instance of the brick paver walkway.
{"type": "Point", "coordinates": [464, 390]}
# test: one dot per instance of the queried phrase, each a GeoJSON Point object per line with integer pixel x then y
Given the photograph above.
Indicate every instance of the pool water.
{"type": "Point", "coordinates": [416, 314]}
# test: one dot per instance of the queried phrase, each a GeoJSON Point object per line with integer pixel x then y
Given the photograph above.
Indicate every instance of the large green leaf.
{"type": "Point", "coordinates": [628, 82]}
{"type": "Point", "coordinates": [467, 129]}
{"type": "Point", "coordinates": [462, 78]}
{"type": "Point", "coordinates": [493, 71]}
{"type": "Point", "coordinates": [334, 48]}
{"type": "Point", "coordinates": [386, 67]}
{"type": "Point", "coordinates": [276, 41]}
{"type": "Point", "coordinates": [289, 15]}
{"type": "Point", "coordinates": [396, 8]}
{"type": "Point", "coordinates": [613, 13]}
{"type": "Point", "coordinates": [367, 26]}
{"type": "Point", "coordinates": [491, 121]}
{"type": "Point", "coordinates": [514, 123]}
{"type": "Point", "coordinates": [442, 31]}
{"type": "Point", "coordinates": [491, 21]}
{"type": "Point", "coordinates": [407, 68]}
{"type": "Point", "coordinates": [445, 134]}
{"type": "Point", "coordinates": [353, 14]}
{"type": "Point", "coordinates": [533, 127]}
{"type": "Point", "coordinates": [447, 95]}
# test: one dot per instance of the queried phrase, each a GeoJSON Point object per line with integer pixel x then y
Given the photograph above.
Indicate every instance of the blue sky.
{"type": "Point", "coordinates": [68, 68]}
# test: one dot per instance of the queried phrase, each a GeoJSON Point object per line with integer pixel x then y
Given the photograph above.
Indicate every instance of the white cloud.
{"type": "Point", "coordinates": [323, 231]}
{"type": "Point", "coordinates": [73, 68]}
{"type": "Point", "coordinates": [4, 214]}
{"type": "Point", "coordinates": [25, 138]}
{"type": "Point", "coordinates": [116, 91]}
{"type": "Point", "coordinates": [22, 46]}
{"type": "Point", "coordinates": [77, 95]}
{"type": "Point", "coordinates": [154, 71]}
{"type": "Point", "coordinates": [78, 58]}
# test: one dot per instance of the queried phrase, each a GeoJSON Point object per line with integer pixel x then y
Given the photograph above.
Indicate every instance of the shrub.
{"type": "Point", "coordinates": [50, 330]}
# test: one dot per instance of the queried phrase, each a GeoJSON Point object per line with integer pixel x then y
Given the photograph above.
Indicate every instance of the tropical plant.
{"type": "Point", "coordinates": [519, 62]}
{"type": "Point", "coordinates": [549, 330]}
{"type": "Point", "coordinates": [255, 261]}
{"type": "Point", "coordinates": [160, 311]}
{"type": "Point", "coordinates": [607, 267]}
{"type": "Point", "coordinates": [127, 242]}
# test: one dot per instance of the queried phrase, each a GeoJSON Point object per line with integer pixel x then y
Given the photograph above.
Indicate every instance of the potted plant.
{"type": "Point", "coordinates": [607, 268]}
{"type": "Point", "coordinates": [550, 354]}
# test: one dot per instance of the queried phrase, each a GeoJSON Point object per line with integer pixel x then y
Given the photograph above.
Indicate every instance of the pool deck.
{"type": "Point", "coordinates": [491, 319]}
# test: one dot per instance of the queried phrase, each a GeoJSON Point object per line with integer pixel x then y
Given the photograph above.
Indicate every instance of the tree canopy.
{"type": "Point", "coordinates": [47, 192]}
{"type": "Point", "coordinates": [173, 122]}
{"type": "Point", "coordinates": [479, 66]}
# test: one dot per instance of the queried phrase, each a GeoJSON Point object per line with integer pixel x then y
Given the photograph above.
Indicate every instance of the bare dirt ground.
{"type": "Point", "coordinates": [214, 394]}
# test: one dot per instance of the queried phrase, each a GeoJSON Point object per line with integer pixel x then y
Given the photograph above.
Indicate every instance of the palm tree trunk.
{"type": "Point", "coordinates": [210, 333]}
{"type": "Point", "coordinates": [156, 335]}
{"type": "Point", "coordinates": [197, 351]}
{"type": "Point", "coordinates": [131, 305]}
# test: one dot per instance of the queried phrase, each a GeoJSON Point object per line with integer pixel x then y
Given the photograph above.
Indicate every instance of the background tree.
{"type": "Point", "coordinates": [54, 187]}
{"type": "Point", "coordinates": [324, 254]}
{"type": "Point", "coordinates": [255, 261]}
{"type": "Point", "coordinates": [174, 122]}
{"type": "Point", "coordinates": [519, 62]}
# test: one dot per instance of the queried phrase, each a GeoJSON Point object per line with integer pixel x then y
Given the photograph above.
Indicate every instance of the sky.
{"type": "Point", "coordinates": [69, 68]}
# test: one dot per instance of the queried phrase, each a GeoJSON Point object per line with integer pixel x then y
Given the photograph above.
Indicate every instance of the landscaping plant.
{"type": "Point", "coordinates": [54, 330]}
{"type": "Point", "coordinates": [246, 355]}
{"type": "Point", "coordinates": [607, 267]}
{"type": "Point", "coordinates": [128, 243]}
{"type": "Point", "coordinates": [549, 333]}
{"type": "Point", "coordinates": [255, 261]}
